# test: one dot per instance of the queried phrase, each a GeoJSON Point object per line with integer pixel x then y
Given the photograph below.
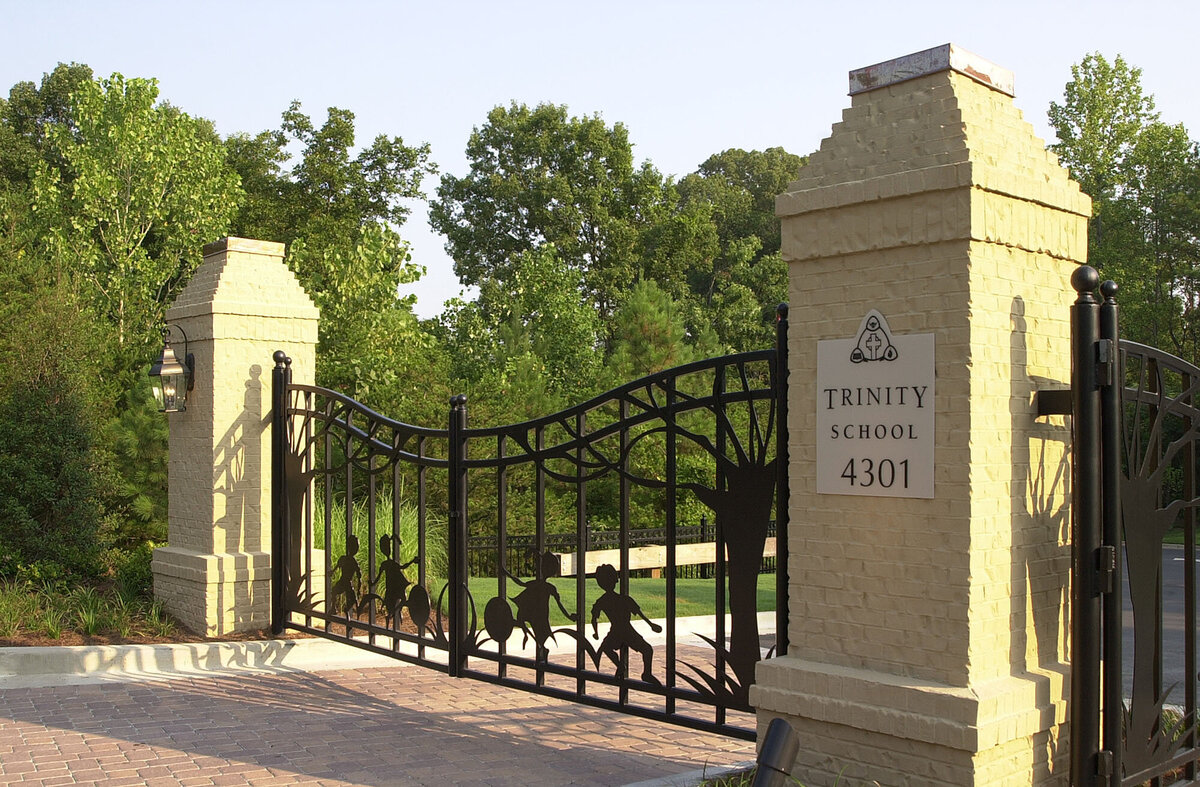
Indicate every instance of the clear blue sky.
{"type": "Point", "coordinates": [688, 79]}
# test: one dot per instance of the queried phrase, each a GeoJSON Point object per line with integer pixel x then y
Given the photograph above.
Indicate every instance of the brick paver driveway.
{"type": "Point", "coordinates": [375, 726]}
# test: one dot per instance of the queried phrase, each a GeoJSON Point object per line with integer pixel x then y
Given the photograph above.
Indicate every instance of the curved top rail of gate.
{"type": "Point", "coordinates": [655, 397]}
{"type": "Point", "coordinates": [383, 437]}
{"type": "Point", "coordinates": [346, 414]}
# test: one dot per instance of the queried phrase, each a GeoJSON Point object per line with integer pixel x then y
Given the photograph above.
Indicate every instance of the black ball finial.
{"type": "Point", "coordinates": [1109, 290]}
{"type": "Point", "coordinates": [781, 311]}
{"type": "Point", "coordinates": [280, 357]}
{"type": "Point", "coordinates": [1085, 279]}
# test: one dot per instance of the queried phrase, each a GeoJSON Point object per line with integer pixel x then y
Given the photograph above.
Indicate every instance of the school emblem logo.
{"type": "Point", "coordinates": [874, 341]}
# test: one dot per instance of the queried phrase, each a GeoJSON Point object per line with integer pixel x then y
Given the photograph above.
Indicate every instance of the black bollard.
{"type": "Point", "coordinates": [777, 756]}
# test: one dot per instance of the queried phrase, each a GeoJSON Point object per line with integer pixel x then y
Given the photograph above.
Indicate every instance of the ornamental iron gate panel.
{"type": "Point", "coordinates": [373, 519]}
{"type": "Point", "coordinates": [1136, 424]}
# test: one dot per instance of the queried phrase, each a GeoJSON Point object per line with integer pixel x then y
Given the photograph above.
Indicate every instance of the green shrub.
{"type": "Point", "coordinates": [130, 569]}
{"type": "Point", "coordinates": [51, 479]}
{"type": "Point", "coordinates": [138, 436]}
{"type": "Point", "coordinates": [435, 537]}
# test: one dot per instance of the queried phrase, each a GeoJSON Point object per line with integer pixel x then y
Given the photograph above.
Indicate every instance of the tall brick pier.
{"type": "Point", "coordinates": [241, 305]}
{"type": "Point", "coordinates": [928, 635]}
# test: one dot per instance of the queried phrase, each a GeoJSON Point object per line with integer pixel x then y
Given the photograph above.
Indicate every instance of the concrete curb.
{"type": "Point", "coordinates": [693, 778]}
{"type": "Point", "coordinates": [68, 665]}
{"type": "Point", "coordinates": [80, 664]}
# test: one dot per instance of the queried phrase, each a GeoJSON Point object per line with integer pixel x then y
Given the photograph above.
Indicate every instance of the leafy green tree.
{"type": "Point", "coordinates": [340, 212]}
{"type": "Point", "coordinates": [136, 435]}
{"type": "Point", "coordinates": [331, 195]}
{"type": "Point", "coordinates": [1099, 122]}
{"type": "Point", "coordinates": [29, 114]}
{"type": "Point", "coordinates": [1142, 175]}
{"type": "Point", "coordinates": [529, 344]}
{"type": "Point", "coordinates": [1162, 208]}
{"type": "Point", "coordinates": [742, 279]}
{"type": "Point", "coordinates": [128, 191]}
{"type": "Point", "coordinates": [741, 186]}
{"type": "Point", "coordinates": [651, 334]}
{"type": "Point", "coordinates": [365, 325]}
{"type": "Point", "coordinates": [541, 177]}
{"type": "Point", "coordinates": [25, 118]}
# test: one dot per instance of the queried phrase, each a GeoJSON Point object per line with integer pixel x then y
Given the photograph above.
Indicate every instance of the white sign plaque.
{"type": "Point", "coordinates": [875, 413]}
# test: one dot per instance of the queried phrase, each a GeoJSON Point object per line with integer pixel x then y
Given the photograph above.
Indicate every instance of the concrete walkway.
{"type": "Point", "coordinates": [313, 712]}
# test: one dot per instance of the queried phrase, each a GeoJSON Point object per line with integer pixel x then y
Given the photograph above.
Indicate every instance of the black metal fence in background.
{"type": "Point", "coordinates": [521, 552]}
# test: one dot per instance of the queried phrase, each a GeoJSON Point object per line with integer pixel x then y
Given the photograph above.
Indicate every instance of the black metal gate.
{"type": "Point", "coordinates": [394, 538]}
{"type": "Point", "coordinates": [1136, 424]}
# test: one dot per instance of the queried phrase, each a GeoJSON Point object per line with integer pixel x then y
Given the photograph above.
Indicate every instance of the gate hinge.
{"type": "Point", "coordinates": [1106, 354]}
{"type": "Point", "coordinates": [1106, 568]}
{"type": "Point", "coordinates": [1104, 768]}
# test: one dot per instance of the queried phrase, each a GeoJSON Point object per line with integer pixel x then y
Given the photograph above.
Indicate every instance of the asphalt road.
{"type": "Point", "coordinates": [1173, 628]}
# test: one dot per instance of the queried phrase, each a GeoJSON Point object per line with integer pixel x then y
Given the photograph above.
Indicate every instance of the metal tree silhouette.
{"type": "Point", "coordinates": [1162, 425]}
{"type": "Point", "coordinates": [739, 439]}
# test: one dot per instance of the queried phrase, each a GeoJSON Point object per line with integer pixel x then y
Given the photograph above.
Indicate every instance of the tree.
{"type": "Point", "coordinates": [1099, 123]}
{"type": "Point", "coordinates": [529, 344]}
{"type": "Point", "coordinates": [540, 177]}
{"type": "Point", "coordinates": [329, 196]}
{"type": "Point", "coordinates": [1161, 253]}
{"type": "Point", "coordinates": [340, 213]}
{"type": "Point", "coordinates": [1144, 179]}
{"type": "Point", "coordinates": [366, 327]}
{"type": "Point", "coordinates": [57, 482]}
{"type": "Point", "coordinates": [25, 118]}
{"type": "Point", "coordinates": [650, 334]}
{"type": "Point", "coordinates": [128, 191]}
{"type": "Point", "coordinates": [743, 278]}
{"type": "Point", "coordinates": [28, 116]}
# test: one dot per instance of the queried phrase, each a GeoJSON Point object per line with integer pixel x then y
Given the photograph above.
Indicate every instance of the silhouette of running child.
{"type": "Point", "coordinates": [345, 595]}
{"type": "Point", "coordinates": [533, 602]}
{"type": "Point", "coordinates": [395, 582]}
{"type": "Point", "coordinates": [620, 609]}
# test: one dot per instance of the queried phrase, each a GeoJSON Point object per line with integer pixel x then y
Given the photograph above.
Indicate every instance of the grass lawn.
{"type": "Point", "coordinates": [692, 596]}
{"type": "Point", "coordinates": [1174, 536]}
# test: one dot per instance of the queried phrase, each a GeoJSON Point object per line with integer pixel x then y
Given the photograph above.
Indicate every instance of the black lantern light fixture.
{"type": "Point", "coordinates": [174, 378]}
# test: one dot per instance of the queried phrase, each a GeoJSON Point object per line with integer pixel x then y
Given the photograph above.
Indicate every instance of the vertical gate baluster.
{"type": "Point", "coordinates": [672, 537]}
{"type": "Point", "coordinates": [719, 483]}
{"type": "Point", "coordinates": [1085, 535]}
{"type": "Point", "coordinates": [422, 562]}
{"type": "Point", "coordinates": [458, 536]}
{"type": "Point", "coordinates": [327, 525]}
{"type": "Point", "coordinates": [782, 491]}
{"type": "Point", "coordinates": [623, 536]}
{"type": "Point", "coordinates": [348, 453]}
{"type": "Point", "coordinates": [372, 500]}
{"type": "Point", "coordinates": [279, 513]}
{"type": "Point", "coordinates": [306, 465]}
{"type": "Point", "coordinates": [1111, 435]}
{"type": "Point", "coordinates": [1192, 770]}
{"type": "Point", "coordinates": [581, 545]}
{"type": "Point", "coordinates": [540, 524]}
{"type": "Point", "coordinates": [394, 614]}
{"type": "Point", "coordinates": [501, 542]}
